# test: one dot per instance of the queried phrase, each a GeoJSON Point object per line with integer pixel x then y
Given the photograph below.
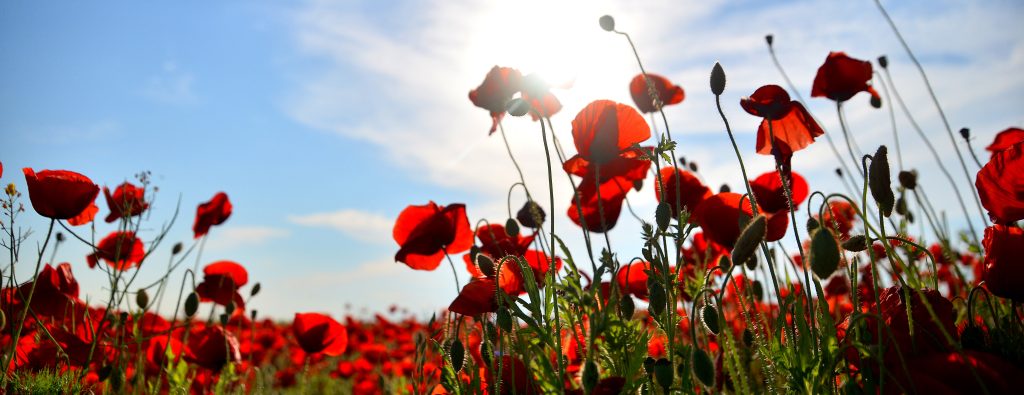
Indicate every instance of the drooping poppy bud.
{"type": "Point", "coordinates": [607, 23]}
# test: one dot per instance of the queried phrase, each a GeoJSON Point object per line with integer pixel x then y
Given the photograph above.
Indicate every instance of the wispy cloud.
{"type": "Point", "coordinates": [359, 225]}
{"type": "Point", "coordinates": [171, 85]}
{"type": "Point", "coordinates": [241, 236]}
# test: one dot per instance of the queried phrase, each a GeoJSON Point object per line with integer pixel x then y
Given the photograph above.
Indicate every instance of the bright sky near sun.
{"type": "Point", "coordinates": [323, 120]}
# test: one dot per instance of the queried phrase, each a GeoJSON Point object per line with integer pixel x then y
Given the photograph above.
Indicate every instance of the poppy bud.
{"type": "Point", "coordinates": [769, 39]}
{"type": "Point", "coordinates": [486, 264]}
{"type": "Point", "coordinates": [856, 243]}
{"type": "Point", "coordinates": [812, 224]}
{"type": "Point", "coordinates": [638, 185]}
{"type": "Point", "coordinates": [724, 188]}
{"type": "Point", "coordinates": [457, 355]}
{"type": "Point", "coordinates": [682, 160]}
{"type": "Point", "coordinates": [230, 307]}
{"type": "Point", "coordinates": [224, 318]}
{"type": "Point", "coordinates": [255, 290]}
{"type": "Point", "coordinates": [142, 299]}
{"type": "Point", "coordinates": [60, 237]}
{"type": "Point", "coordinates": [662, 215]}
{"type": "Point", "coordinates": [191, 304]}
{"type": "Point", "coordinates": [839, 172]}
{"type": "Point", "coordinates": [908, 179]}
{"type": "Point", "coordinates": [693, 167]}
{"type": "Point", "coordinates": [824, 253]}
{"type": "Point", "coordinates": [252, 316]}
{"type": "Point", "coordinates": [724, 263]}
{"type": "Point", "coordinates": [883, 61]}
{"type": "Point", "coordinates": [656, 295]}
{"type": "Point", "coordinates": [511, 228]}
{"type": "Point", "coordinates": [531, 215]}
{"type": "Point", "coordinates": [717, 79]}
{"type": "Point", "coordinates": [663, 373]}
{"type": "Point", "coordinates": [702, 367]}
{"type": "Point", "coordinates": [757, 289]}
{"type": "Point", "coordinates": [748, 337]}
{"type": "Point", "coordinates": [590, 375]}
{"type": "Point", "coordinates": [876, 102]}
{"type": "Point", "coordinates": [517, 107]}
{"type": "Point", "coordinates": [879, 181]}
{"type": "Point", "coordinates": [752, 262]}
{"type": "Point", "coordinates": [965, 133]}
{"type": "Point", "coordinates": [709, 317]}
{"type": "Point", "coordinates": [607, 23]}
{"type": "Point", "coordinates": [752, 235]}
{"type": "Point", "coordinates": [901, 206]}
{"type": "Point", "coordinates": [177, 248]}
{"type": "Point", "coordinates": [486, 352]}
{"type": "Point", "coordinates": [504, 320]}
{"type": "Point", "coordinates": [626, 307]}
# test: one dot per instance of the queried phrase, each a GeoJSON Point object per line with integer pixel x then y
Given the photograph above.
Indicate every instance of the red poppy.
{"type": "Point", "coordinates": [956, 372]}
{"type": "Point", "coordinates": [426, 233]}
{"type": "Point", "coordinates": [841, 77]}
{"type": "Point", "coordinates": [212, 348]}
{"type": "Point", "coordinates": [770, 195]}
{"type": "Point", "coordinates": [667, 92]}
{"type": "Point", "coordinates": [62, 194]}
{"type": "Point", "coordinates": [927, 332]}
{"type": "Point", "coordinates": [791, 124]}
{"type": "Point", "coordinates": [537, 92]}
{"type": "Point", "coordinates": [319, 333]}
{"type": "Point", "coordinates": [497, 89]}
{"type": "Point", "coordinates": [703, 250]}
{"type": "Point", "coordinates": [612, 194]}
{"type": "Point", "coordinates": [719, 217]}
{"type": "Point", "coordinates": [121, 250]}
{"type": "Point", "coordinates": [127, 201]}
{"type": "Point", "coordinates": [1001, 185]}
{"type": "Point", "coordinates": [516, 377]}
{"type": "Point", "coordinates": [476, 298]}
{"type": "Point", "coordinates": [221, 281]}
{"type": "Point", "coordinates": [840, 216]}
{"type": "Point", "coordinates": [56, 291]}
{"type": "Point", "coordinates": [605, 130]}
{"type": "Point", "coordinates": [214, 212]}
{"type": "Point", "coordinates": [632, 279]}
{"type": "Point", "coordinates": [1004, 272]}
{"type": "Point", "coordinates": [691, 190]}
{"type": "Point", "coordinates": [1005, 139]}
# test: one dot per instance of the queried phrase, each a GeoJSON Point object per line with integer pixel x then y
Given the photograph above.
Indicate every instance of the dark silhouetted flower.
{"type": "Point", "coordinates": [791, 124]}
{"type": "Point", "coordinates": [1003, 268]}
{"type": "Point", "coordinates": [497, 89]}
{"type": "Point", "coordinates": [841, 77]}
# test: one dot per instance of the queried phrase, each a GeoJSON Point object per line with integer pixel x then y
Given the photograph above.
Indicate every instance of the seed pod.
{"type": "Point", "coordinates": [60, 237]}
{"type": "Point", "coordinates": [812, 224]}
{"type": "Point", "coordinates": [717, 79]}
{"type": "Point", "coordinates": [709, 317]}
{"type": "Point", "coordinates": [724, 263]}
{"type": "Point", "coordinates": [752, 235]}
{"type": "Point", "coordinates": [770, 39]}
{"type": "Point", "coordinates": [626, 307]}
{"type": "Point", "coordinates": [607, 23]}
{"type": "Point", "coordinates": [252, 315]}
{"type": "Point", "coordinates": [702, 367]}
{"type": "Point", "coordinates": [824, 253]}
{"type": "Point", "coordinates": [590, 375]}
{"type": "Point", "coordinates": [486, 265]}
{"type": "Point", "coordinates": [531, 215]}
{"type": "Point", "coordinates": [879, 181]}
{"type": "Point", "coordinates": [883, 61]}
{"type": "Point", "coordinates": [901, 206]}
{"type": "Point", "coordinates": [504, 320]}
{"type": "Point", "coordinates": [511, 228]}
{"type": "Point", "coordinates": [662, 215]}
{"type": "Point", "coordinates": [517, 107]}
{"type": "Point", "coordinates": [748, 337]}
{"type": "Point", "coordinates": [663, 373]}
{"type": "Point", "coordinates": [457, 354]}
{"type": "Point", "coordinates": [142, 299]}
{"type": "Point", "coordinates": [965, 133]}
{"type": "Point", "coordinates": [177, 248]}
{"type": "Point", "coordinates": [724, 188]}
{"type": "Point", "coordinates": [856, 243]}
{"type": "Point", "coordinates": [908, 179]}
{"type": "Point", "coordinates": [255, 290]}
{"type": "Point", "coordinates": [656, 295]}
{"type": "Point", "coordinates": [191, 304]}
{"type": "Point", "coordinates": [693, 167]}
{"type": "Point", "coordinates": [649, 366]}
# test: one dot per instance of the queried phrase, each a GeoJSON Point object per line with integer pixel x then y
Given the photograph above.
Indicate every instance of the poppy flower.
{"type": "Point", "coordinates": [791, 124]}
{"type": "Point", "coordinates": [927, 332]}
{"type": "Point", "coordinates": [121, 250]}
{"type": "Point", "coordinates": [1003, 272]}
{"type": "Point", "coordinates": [212, 348]}
{"type": "Point", "coordinates": [605, 130]}
{"type": "Point", "coordinates": [214, 212]}
{"type": "Point", "coordinates": [426, 233]}
{"type": "Point", "coordinates": [221, 281]}
{"type": "Point", "coordinates": [127, 200]}
{"type": "Point", "coordinates": [318, 333]}
{"type": "Point", "coordinates": [497, 89]}
{"type": "Point", "coordinates": [771, 196]}
{"type": "Point", "coordinates": [477, 297]}
{"type": "Point", "coordinates": [1005, 139]}
{"type": "Point", "coordinates": [703, 250]}
{"type": "Point", "coordinates": [840, 216]}
{"type": "Point", "coordinates": [516, 377]}
{"type": "Point", "coordinates": [537, 92]}
{"type": "Point", "coordinates": [56, 290]}
{"type": "Point", "coordinates": [612, 194]}
{"type": "Point", "coordinates": [691, 190]}
{"type": "Point", "coordinates": [1000, 185]}
{"type": "Point", "coordinates": [632, 279]}
{"type": "Point", "coordinates": [62, 194]}
{"type": "Point", "coordinates": [841, 77]}
{"type": "Point", "coordinates": [719, 217]}
{"type": "Point", "coordinates": [667, 92]}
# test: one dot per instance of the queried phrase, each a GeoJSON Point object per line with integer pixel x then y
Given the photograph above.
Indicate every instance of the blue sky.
{"type": "Point", "coordinates": [323, 120]}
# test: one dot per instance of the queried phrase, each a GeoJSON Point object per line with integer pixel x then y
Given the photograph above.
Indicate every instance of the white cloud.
{"type": "Point", "coordinates": [240, 236]}
{"type": "Point", "coordinates": [360, 225]}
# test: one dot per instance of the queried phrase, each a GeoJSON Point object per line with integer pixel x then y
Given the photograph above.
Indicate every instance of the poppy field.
{"type": "Point", "coordinates": [768, 286]}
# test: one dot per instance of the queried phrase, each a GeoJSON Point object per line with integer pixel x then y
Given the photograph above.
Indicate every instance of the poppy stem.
{"type": "Point", "coordinates": [458, 288]}
{"type": "Point", "coordinates": [846, 136]}
{"type": "Point", "coordinates": [551, 260]}
{"type": "Point", "coordinates": [515, 163]}
{"type": "Point", "coordinates": [28, 301]}
{"type": "Point", "coordinates": [892, 118]}
{"type": "Point", "coordinates": [973, 155]}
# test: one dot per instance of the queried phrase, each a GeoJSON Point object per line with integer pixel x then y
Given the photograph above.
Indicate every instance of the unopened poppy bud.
{"type": "Point", "coordinates": [663, 373]}
{"type": "Point", "coordinates": [224, 318]}
{"type": "Point", "coordinates": [486, 352]}
{"type": "Point", "coordinates": [682, 160]}
{"type": "Point", "coordinates": [908, 179]}
{"type": "Point", "coordinates": [876, 102]}
{"type": "Point", "coordinates": [486, 264]}
{"type": "Point", "coordinates": [511, 227]}
{"type": "Point", "coordinates": [883, 61]}
{"type": "Point", "coordinates": [142, 299]}
{"type": "Point", "coordinates": [770, 39]}
{"type": "Point", "coordinates": [812, 224]}
{"type": "Point", "coordinates": [230, 307]}
{"type": "Point", "coordinates": [693, 167]}
{"type": "Point", "coordinates": [717, 79]}
{"type": "Point", "coordinates": [638, 185]}
{"type": "Point", "coordinates": [709, 317]}
{"type": "Point", "coordinates": [252, 316]}
{"type": "Point", "coordinates": [752, 262]}
{"type": "Point", "coordinates": [839, 172]}
{"type": "Point", "coordinates": [607, 23]}
{"type": "Point", "coordinates": [656, 295]}
{"type": "Point", "coordinates": [177, 248]}
{"type": "Point", "coordinates": [626, 307]}
{"type": "Point", "coordinates": [824, 253]}
{"type": "Point", "coordinates": [191, 304]}
{"type": "Point", "coordinates": [901, 206]}
{"type": "Point", "coordinates": [649, 365]}
{"type": "Point", "coordinates": [590, 375]}
{"type": "Point", "coordinates": [856, 243]}
{"type": "Point", "coordinates": [255, 289]}
{"type": "Point", "coordinates": [751, 236]}
{"type": "Point", "coordinates": [724, 188]}
{"type": "Point", "coordinates": [531, 215]}
{"type": "Point", "coordinates": [517, 107]}
{"type": "Point", "coordinates": [757, 288]}
{"type": "Point", "coordinates": [60, 237]}
{"type": "Point", "coordinates": [457, 355]}
{"type": "Point", "coordinates": [702, 367]}
{"type": "Point", "coordinates": [879, 181]}
{"type": "Point", "coordinates": [965, 133]}
{"type": "Point", "coordinates": [724, 263]}
{"type": "Point", "coordinates": [662, 215]}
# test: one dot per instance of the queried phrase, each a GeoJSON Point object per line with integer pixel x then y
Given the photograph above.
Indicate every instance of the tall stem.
{"type": "Point", "coordinates": [551, 260]}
